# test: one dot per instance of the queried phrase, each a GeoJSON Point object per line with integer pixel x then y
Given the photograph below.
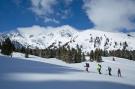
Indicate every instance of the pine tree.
{"type": "Point", "coordinates": [91, 55]}
{"type": "Point", "coordinates": [58, 53]}
{"type": "Point", "coordinates": [27, 52]}
{"type": "Point", "coordinates": [7, 47]}
{"type": "Point", "coordinates": [83, 57]}
{"type": "Point", "coordinates": [97, 55]}
{"type": "Point", "coordinates": [22, 50]}
{"type": "Point", "coordinates": [78, 54]}
{"type": "Point", "coordinates": [125, 45]}
{"type": "Point", "coordinates": [0, 45]}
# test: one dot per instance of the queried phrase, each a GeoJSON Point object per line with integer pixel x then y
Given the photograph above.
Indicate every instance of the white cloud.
{"type": "Point", "coordinates": [43, 7]}
{"type": "Point", "coordinates": [111, 15]}
{"type": "Point", "coordinates": [46, 8]}
{"type": "Point", "coordinates": [51, 20]}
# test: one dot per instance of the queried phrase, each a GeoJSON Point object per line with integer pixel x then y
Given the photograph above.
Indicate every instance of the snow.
{"type": "Point", "coordinates": [43, 37]}
{"type": "Point", "coordinates": [41, 73]}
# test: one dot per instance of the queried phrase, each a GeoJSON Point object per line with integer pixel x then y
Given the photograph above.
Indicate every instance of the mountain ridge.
{"type": "Point", "coordinates": [90, 39]}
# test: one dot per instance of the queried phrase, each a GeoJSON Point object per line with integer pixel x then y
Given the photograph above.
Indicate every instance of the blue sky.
{"type": "Point", "coordinates": [13, 15]}
{"type": "Point", "coordinates": [80, 14]}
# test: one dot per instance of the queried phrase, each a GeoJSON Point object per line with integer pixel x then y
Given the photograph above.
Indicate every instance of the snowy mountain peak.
{"type": "Point", "coordinates": [37, 30]}
{"type": "Point", "coordinates": [34, 30]}
{"type": "Point", "coordinates": [43, 37]}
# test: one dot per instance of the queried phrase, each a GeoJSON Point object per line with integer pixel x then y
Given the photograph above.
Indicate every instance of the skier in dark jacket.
{"type": "Point", "coordinates": [109, 70]}
{"type": "Point", "coordinates": [119, 72]}
{"type": "Point", "coordinates": [113, 59]}
{"type": "Point", "coordinates": [87, 67]}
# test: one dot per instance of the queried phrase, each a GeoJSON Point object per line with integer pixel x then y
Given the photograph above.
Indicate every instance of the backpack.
{"type": "Point", "coordinates": [87, 64]}
{"type": "Point", "coordinates": [109, 68]}
{"type": "Point", "coordinates": [99, 66]}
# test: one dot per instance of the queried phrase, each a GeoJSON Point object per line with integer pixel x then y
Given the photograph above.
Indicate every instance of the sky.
{"type": "Point", "coordinates": [106, 15]}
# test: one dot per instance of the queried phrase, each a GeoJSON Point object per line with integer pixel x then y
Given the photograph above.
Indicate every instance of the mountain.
{"type": "Point", "coordinates": [90, 39]}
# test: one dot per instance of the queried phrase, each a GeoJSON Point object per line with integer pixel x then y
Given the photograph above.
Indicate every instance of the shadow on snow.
{"type": "Point", "coordinates": [14, 65]}
{"type": "Point", "coordinates": [64, 85]}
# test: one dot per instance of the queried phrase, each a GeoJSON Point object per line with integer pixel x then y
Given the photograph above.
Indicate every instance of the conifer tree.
{"type": "Point", "coordinates": [91, 55]}
{"type": "Point", "coordinates": [83, 57]}
{"type": "Point", "coordinates": [0, 45]}
{"type": "Point", "coordinates": [27, 52]}
{"type": "Point", "coordinates": [7, 47]}
{"type": "Point", "coordinates": [97, 55]}
{"type": "Point", "coordinates": [125, 45]}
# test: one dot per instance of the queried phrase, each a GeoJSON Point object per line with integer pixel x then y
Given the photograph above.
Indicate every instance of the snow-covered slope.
{"type": "Point", "coordinates": [89, 39]}
{"type": "Point", "coordinates": [41, 73]}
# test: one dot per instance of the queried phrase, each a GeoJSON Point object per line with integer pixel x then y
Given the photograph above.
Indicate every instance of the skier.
{"type": "Point", "coordinates": [119, 72]}
{"type": "Point", "coordinates": [113, 59]}
{"type": "Point", "coordinates": [87, 67]}
{"type": "Point", "coordinates": [109, 70]}
{"type": "Point", "coordinates": [99, 68]}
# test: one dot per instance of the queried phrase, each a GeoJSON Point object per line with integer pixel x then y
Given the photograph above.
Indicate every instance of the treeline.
{"type": "Point", "coordinates": [123, 54]}
{"type": "Point", "coordinates": [65, 52]}
{"type": "Point", "coordinates": [96, 55]}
